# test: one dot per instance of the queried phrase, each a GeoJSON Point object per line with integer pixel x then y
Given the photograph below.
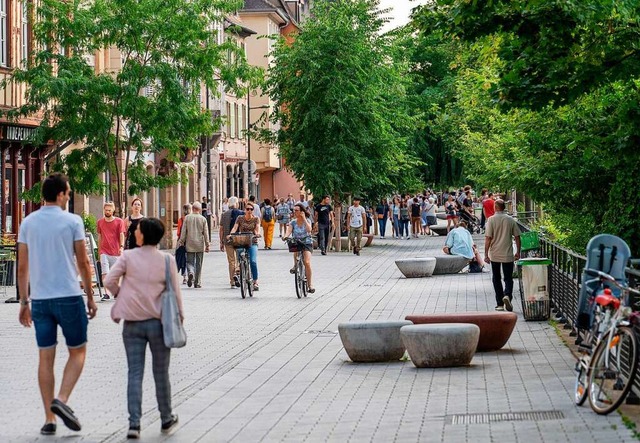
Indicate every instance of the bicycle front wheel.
{"type": "Point", "coordinates": [612, 371]}
{"type": "Point", "coordinates": [300, 278]}
{"type": "Point", "coordinates": [243, 278]}
{"type": "Point", "coordinates": [581, 389]}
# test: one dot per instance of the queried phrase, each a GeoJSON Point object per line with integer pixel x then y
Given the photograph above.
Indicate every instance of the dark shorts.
{"type": "Point", "coordinates": [68, 312]}
{"type": "Point", "coordinates": [451, 217]}
{"type": "Point", "coordinates": [431, 220]}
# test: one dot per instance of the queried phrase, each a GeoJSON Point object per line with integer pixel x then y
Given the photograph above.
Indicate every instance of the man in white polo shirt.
{"type": "Point", "coordinates": [48, 240]}
{"type": "Point", "coordinates": [357, 222]}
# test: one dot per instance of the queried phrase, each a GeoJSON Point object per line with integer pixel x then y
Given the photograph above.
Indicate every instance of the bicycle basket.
{"type": "Point", "coordinates": [293, 246]}
{"type": "Point", "coordinates": [241, 240]}
{"type": "Point", "coordinates": [529, 241]}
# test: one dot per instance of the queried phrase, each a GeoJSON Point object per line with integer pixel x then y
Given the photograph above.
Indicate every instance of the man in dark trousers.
{"type": "Point", "coordinates": [324, 222]}
{"type": "Point", "coordinates": [501, 231]}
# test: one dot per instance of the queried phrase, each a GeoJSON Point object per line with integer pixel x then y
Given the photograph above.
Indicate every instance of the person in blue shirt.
{"type": "Point", "coordinates": [50, 242]}
{"type": "Point", "coordinates": [300, 229]}
{"type": "Point", "coordinates": [460, 242]}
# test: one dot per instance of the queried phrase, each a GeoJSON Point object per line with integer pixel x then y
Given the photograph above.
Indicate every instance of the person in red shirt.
{"type": "Point", "coordinates": [488, 206]}
{"type": "Point", "coordinates": [110, 240]}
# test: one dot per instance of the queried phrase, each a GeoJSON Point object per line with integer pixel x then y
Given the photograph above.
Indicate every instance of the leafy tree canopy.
{"type": "Point", "coordinates": [170, 50]}
{"type": "Point", "coordinates": [342, 103]}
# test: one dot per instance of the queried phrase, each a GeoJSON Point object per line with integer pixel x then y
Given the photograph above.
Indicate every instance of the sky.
{"type": "Point", "coordinates": [400, 11]}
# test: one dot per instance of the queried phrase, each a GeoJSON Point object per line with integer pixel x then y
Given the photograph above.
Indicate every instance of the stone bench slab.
{"type": "Point", "coordinates": [373, 341]}
{"type": "Point", "coordinates": [440, 345]}
{"type": "Point", "coordinates": [495, 327]}
{"type": "Point", "coordinates": [449, 264]}
{"type": "Point", "coordinates": [416, 267]}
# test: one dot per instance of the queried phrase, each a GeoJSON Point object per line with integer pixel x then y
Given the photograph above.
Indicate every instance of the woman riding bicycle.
{"type": "Point", "coordinates": [300, 229]}
{"type": "Point", "coordinates": [248, 224]}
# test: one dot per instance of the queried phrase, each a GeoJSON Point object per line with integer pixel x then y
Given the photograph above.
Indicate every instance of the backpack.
{"type": "Point", "coordinates": [268, 214]}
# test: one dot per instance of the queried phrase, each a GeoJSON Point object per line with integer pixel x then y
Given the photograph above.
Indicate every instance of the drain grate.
{"type": "Point", "coordinates": [320, 332]}
{"type": "Point", "coordinates": [465, 419]}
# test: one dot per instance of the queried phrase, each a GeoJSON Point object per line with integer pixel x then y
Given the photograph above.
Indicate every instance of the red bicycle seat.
{"type": "Point", "coordinates": [607, 298]}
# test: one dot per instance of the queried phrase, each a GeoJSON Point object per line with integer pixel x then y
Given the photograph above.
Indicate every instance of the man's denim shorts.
{"type": "Point", "coordinates": [68, 312]}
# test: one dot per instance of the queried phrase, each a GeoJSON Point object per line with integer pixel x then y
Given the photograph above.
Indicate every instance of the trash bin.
{"type": "Point", "coordinates": [533, 278]}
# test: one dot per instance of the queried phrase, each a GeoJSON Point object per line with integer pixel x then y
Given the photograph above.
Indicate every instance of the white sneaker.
{"type": "Point", "coordinates": [499, 308]}
{"type": "Point", "coordinates": [507, 303]}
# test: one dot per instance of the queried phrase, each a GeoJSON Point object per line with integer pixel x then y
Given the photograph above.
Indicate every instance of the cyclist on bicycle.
{"type": "Point", "coordinates": [249, 224]}
{"type": "Point", "coordinates": [300, 229]}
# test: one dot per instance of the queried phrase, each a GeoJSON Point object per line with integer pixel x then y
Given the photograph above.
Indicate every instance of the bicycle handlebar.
{"type": "Point", "coordinates": [603, 276]}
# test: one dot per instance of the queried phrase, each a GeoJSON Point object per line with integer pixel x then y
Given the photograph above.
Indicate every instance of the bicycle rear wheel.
{"type": "Point", "coordinates": [612, 371]}
{"type": "Point", "coordinates": [243, 277]}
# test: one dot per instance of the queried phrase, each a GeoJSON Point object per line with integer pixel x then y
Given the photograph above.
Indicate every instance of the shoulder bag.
{"type": "Point", "coordinates": [172, 329]}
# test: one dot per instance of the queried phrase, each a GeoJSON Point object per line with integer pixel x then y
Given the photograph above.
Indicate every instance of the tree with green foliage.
{"type": "Point", "coordinates": [170, 51]}
{"type": "Point", "coordinates": [341, 100]}
{"type": "Point", "coordinates": [546, 101]}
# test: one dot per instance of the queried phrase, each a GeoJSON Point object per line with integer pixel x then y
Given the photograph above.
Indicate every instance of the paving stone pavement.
{"type": "Point", "coordinates": [272, 368]}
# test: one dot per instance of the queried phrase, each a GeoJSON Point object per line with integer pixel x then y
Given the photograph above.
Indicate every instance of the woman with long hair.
{"type": "Point", "coordinates": [300, 229]}
{"type": "Point", "coordinates": [131, 223]}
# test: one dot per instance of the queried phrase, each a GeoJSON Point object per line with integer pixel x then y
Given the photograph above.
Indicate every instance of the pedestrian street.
{"type": "Point", "coordinates": [272, 368]}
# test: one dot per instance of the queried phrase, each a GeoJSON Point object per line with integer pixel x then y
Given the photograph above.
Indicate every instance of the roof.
{"type": "Point", "coordinates": [237, 27]}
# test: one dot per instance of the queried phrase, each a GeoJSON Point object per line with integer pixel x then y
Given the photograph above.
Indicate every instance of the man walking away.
{"type": "Point", "coordinates": [195, 238]}
{"type": "Point", "coordinates": [501, 231]}
{"type": "Point", "coordinates": [48, 240]}
{"type": "Point", "coordinates": [324, 222]}
{"type": "Point", "coordinates": [356, 220]}
{"type": "Point", "coordinates": [110, 241]}
{"type": "Point", "coordinates": [225, 228]}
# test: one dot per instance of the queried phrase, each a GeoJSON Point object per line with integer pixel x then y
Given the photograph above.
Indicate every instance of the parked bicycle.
{"type": "Point", "coordinates": [606, 371]}
{"type": "Point", "coordinates": [240, 243]}
{"type": "Point", "coordinates": [296, 245]}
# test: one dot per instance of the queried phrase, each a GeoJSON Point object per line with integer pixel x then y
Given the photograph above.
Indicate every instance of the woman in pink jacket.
{"type": "Point", "coordinates": [139, 304]}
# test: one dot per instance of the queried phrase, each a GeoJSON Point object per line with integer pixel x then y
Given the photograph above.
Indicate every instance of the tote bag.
{"type": "Point", "coordinates": [172, 329]}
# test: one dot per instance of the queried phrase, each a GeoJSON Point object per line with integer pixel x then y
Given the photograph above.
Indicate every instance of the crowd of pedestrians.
{"type": "Point", "coordinates": [51, 247]}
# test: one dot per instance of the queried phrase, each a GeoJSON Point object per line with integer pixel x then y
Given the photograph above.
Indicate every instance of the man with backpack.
{"type": "Point", "coordinates": [227, 220]}
{"type": "Point", "coordinates": [268, 223]}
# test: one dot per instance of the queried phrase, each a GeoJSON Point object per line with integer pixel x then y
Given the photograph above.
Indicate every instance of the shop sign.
{"type": "Point", "coordinates": [19, 133]}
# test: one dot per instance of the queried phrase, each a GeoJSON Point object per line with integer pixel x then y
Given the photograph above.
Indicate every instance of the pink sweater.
{"type": "Point", "coordinates": [143, 281]}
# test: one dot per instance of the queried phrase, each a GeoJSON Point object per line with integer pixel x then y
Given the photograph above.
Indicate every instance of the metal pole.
{"type": "Point", "coordinates": [249, 172]}
{"type": "Point", "coordinates": [208, 186]}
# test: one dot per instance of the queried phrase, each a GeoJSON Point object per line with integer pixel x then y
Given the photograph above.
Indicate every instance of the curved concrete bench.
{"type": "Point", "coordinates": [449, 264]}
{"type": "Point", "coordinates": [416, 267]}
{"type": "Point", "coordinates": [495, 327]}
{"type": "Point", "coordinates": [372, 341]}
{"type": "Point", "coordinates": [442, 345]}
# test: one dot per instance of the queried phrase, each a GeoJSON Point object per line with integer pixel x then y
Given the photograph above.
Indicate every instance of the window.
{"type": "Point", "coordinates": [232, 118]}
{"type": "Point", "coordinates": [244, 120]}
{"type": "Point", "coordinates": [4, 34]}
{"type": "Point", "coordinates": [235, 109]}
{"type": "Point", "coordinates": [228, 119]}
{"type": "Point", "coordinates": [25, 31]}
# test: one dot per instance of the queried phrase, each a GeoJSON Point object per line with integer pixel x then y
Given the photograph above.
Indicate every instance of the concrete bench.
{"type": "Point", "coordinates": [495, 327]}
{"type": "Point", "coordinates": [373, 341]}
{"type": "Point", "coordinates": [416, 267]}
{"type": "Point", "coordinates": [440, 345]}
{"type": "Point", "coordinates": [344, 241]}
{"type": "Point", "coordinates": [369, 238]}
{"type": "Point", "coordinates": [449, 264]}
{"type": "Point", "coordinates": [440, 230]}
